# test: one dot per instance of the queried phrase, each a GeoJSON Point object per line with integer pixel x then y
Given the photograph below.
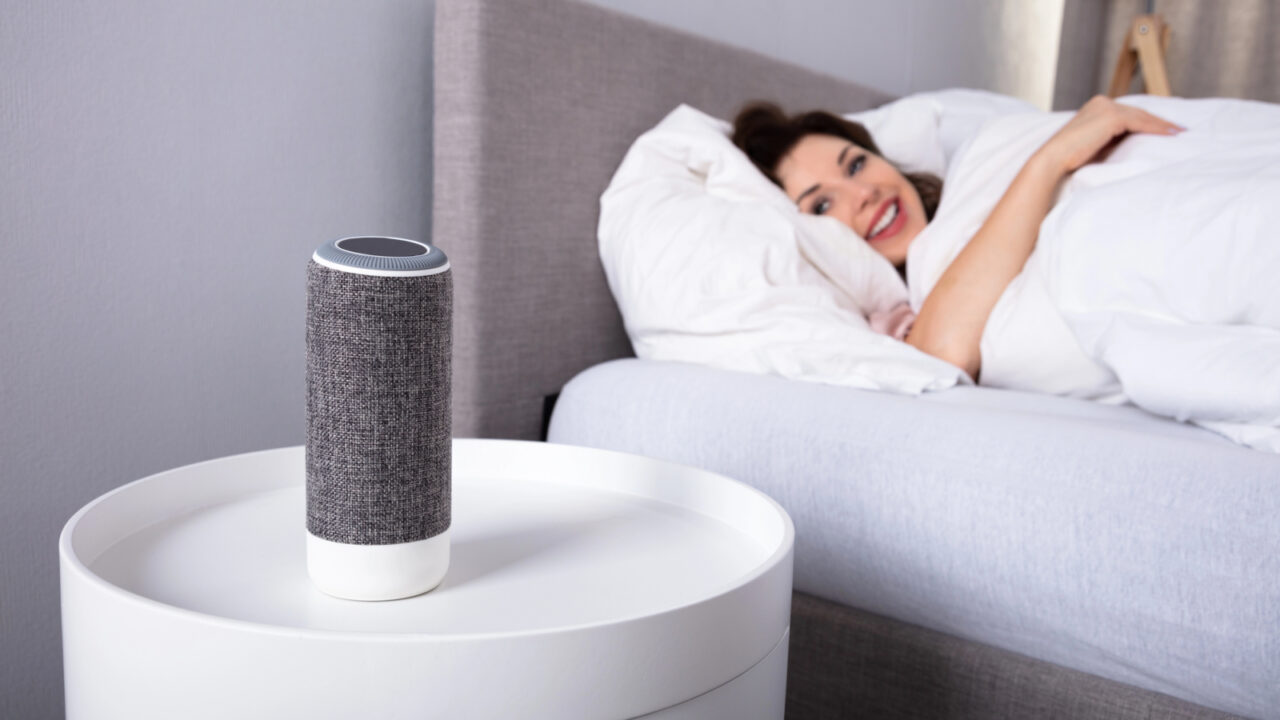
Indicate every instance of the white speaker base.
{"type": "Point", "coordinates": [377, 572]}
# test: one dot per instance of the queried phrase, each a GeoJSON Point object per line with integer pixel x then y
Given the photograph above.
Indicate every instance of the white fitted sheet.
{"type": "Point", "coordinates": [1097, 537]}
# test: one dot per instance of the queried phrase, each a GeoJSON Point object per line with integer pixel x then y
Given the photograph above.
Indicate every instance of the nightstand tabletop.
{"type": "Point", "coordinates": [570, 554]}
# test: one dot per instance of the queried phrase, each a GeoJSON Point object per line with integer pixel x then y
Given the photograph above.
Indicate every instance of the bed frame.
{"type": "Point", "coordinates": [536, 102]}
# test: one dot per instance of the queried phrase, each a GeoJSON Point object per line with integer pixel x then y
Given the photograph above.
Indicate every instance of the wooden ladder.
{"type": "Point", "coordinates": [1146, 43]}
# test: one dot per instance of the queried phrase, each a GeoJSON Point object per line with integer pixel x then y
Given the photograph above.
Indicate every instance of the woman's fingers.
{"type": "Point", "coordinates": [1096, 128]}
{"type": "Point", "coordinates": [1138, 120]}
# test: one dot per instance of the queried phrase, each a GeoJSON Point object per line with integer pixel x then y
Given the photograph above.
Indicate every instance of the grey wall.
{"type": "Point", "coordinates": [166, 169]}
{"type": "Point", "coordinates": [905, 46]}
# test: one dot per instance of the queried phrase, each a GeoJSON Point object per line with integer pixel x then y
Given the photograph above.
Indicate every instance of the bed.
{"type": "Point", "coordinates": [969, 553]}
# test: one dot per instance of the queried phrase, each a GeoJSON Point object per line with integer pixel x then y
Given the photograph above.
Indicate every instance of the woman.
{"type": "Point", "coordinates": [830, 166]}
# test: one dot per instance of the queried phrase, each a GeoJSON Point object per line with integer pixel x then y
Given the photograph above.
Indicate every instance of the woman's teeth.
{"type": "Point", "coordinates": [885, 220]}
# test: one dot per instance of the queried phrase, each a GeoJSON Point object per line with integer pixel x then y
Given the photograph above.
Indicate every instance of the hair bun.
{"type": "Point", "coordinates": [753, 118]}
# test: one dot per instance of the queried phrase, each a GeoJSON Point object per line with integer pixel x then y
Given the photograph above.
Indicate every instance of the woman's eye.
{"type": "Point", "coordinates": [856, 164]}
{"type": "Point", "coordinates": [820, 207]}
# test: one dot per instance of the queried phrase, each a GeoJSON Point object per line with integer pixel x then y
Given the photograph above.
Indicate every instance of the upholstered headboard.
{"type": "Point", "coordinates": [536, 102]}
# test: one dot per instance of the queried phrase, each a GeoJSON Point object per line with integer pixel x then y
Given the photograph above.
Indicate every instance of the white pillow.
{"type": "Point", "coordinates": [921, 132]}
{"type": "Point", "coordinates": [906, 131]}
{"type": "Point", "coordinates": [711, 263]}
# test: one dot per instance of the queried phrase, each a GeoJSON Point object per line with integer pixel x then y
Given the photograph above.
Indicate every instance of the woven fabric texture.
{"type": "Point", "coordinates": [848, 663]}
{"type": "Point", "coordinates": [378, 406]}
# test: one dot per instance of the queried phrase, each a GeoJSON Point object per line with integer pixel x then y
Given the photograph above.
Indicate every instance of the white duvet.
{"type": "Point", "coordinates": [1156, 276]}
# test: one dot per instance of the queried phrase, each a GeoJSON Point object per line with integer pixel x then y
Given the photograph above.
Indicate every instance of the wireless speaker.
{"type": "Point", "coordinates": [379, 337]}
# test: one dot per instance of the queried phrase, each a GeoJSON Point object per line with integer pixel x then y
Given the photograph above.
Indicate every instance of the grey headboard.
{"type": "Point", "coordinates": [536, 102]}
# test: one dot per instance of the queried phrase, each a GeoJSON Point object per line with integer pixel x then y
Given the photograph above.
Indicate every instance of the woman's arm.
{"type": "Point", "coordinates": [954, 314]}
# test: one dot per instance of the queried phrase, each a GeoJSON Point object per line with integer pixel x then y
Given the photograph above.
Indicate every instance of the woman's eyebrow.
{"type": "Point", "coordinates": [806, 192]}
{"type": "Point", "coordinates": [839, 162]}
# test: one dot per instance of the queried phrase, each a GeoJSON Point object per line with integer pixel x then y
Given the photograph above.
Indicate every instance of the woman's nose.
{"type": "Point", "coordinates": [862, 194]}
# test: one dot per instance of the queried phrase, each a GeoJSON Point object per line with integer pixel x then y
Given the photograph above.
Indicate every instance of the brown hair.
{"type": "Point", "coordinates": [766, 135]}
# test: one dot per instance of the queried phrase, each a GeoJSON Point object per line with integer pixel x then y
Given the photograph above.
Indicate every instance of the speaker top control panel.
{"type": "Point", "coordinates": [374, 255]}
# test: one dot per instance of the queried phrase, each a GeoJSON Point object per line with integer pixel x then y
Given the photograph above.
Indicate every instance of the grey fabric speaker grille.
{"type": "Point", "coordinates": [378, 406]}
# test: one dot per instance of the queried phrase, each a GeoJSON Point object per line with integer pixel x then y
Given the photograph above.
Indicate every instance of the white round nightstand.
{"type": "Point", "coordinates": [583, 584]}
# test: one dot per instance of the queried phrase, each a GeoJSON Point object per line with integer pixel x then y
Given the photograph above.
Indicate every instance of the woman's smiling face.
{"type": "Point", "coordinates": [828, 175]}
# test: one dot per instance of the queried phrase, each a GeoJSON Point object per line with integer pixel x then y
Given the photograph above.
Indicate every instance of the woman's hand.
{"type": "Point", "coordinates": [1097, 125]}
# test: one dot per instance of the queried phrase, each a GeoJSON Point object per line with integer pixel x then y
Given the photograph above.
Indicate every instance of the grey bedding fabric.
{"type": "Point", "coordinates": [1095, 537]}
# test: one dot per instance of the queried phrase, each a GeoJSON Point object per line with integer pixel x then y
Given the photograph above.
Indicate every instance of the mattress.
{"type": "Point", "coordinates": [1096, 537]}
